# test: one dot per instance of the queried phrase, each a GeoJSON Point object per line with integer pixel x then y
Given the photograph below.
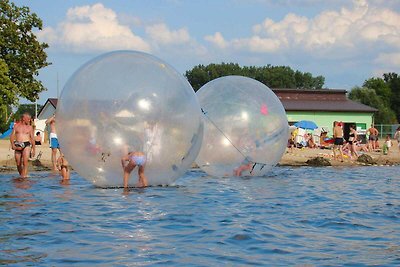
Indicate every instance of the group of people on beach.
{"type": "Point", "coordinates": [349, 148]}
{"type": "Point", "coordinates": [24, 142]}
{"type": "Point", "coordinates": [353, 145]}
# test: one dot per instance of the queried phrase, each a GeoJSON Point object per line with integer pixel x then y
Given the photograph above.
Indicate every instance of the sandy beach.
{"type": "Point", "coordinates": [7, 162]}
{"type": "Point", "coordinates": [298, 157]}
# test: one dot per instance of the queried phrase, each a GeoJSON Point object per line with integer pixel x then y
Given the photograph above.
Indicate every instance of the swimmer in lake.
{"type": "Point", "coordinates": [129, 162]}
{"type": "Point", "coordinates": [63, 167]}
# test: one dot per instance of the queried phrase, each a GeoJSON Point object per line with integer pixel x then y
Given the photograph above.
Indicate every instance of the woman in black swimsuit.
{"type": "Point", "coordinates": [353, 141]}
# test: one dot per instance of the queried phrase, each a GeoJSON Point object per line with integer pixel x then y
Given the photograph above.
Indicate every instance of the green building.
{"type": "Point", "coordinates": [324, 107]}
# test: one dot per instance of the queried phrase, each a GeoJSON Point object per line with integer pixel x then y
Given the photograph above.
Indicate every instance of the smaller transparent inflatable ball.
{"type": "Point", "coordinates": [245, 129]}
{"type": "Point", "coordinates": [128, 106]}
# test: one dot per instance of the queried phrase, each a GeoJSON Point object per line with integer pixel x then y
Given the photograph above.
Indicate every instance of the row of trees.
{"type": "Point", "coordinates": [382, 94]}
{"type": "Point", "coordinates": [21, 58]}
{"type": "Point", "coordinates": [272, 76]}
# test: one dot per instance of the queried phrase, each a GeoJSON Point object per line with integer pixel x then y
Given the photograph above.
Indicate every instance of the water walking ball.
{"type": "Point", "coordinates": [125, 102]}
{"type": "Point", "coordinates": [245, 129]}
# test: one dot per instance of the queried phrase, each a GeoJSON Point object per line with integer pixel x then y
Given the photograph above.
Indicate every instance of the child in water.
{"type": "Point", "coordinates": [63, 167]}
{"type": "Point", "coordinates": [129, 162]}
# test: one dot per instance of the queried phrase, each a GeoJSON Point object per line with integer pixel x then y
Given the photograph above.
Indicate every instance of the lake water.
{"type": "Point", "coordinates": [294, 217]}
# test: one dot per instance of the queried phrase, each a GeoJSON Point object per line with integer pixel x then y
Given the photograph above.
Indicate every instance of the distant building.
{"type": "Point", "coordinates": [324, 107]}
{"type": "Point", "coordinates": [48, 109]}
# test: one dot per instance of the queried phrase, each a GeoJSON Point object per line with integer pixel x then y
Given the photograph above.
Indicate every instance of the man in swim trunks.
{"type": "Point", "coordinates": [373, 137]}
{"type": "Point", "coordinates": [129, 162]}
{"type": "Point", "coordinates": [23, 144]}
{"type": "Point", "coordinates": [54, 145]}
{"type": "Point", "coordinates": [338, 140]}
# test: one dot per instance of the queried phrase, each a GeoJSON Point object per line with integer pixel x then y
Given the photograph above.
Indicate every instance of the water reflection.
{"type": "Point", "coordinates": [22, 183]}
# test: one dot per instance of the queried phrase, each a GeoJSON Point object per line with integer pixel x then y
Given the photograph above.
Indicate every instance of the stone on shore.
{"type": "Point", "coordinates": [366, 159]}
{"type": "Point", "coordinates": [318, 162]}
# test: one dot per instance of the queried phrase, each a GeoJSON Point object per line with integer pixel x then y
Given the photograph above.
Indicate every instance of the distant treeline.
{"type": "Point", "coordinates": [382, 94]}
{"type": "Point", "coordinates": [272, 76]}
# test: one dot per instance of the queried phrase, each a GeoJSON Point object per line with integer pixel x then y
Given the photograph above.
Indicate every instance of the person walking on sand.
{"type": "Point", "coordinates": [353, 136]}
{"type": "Point", "coordinates": [54, 145]}
{"type": "Point", "coordinates": [129, 162]}
{"type": "Point", "coordinates": [338, 140]}
{"type": "Point", "coordinates": [397, 137]}
{"type": "Point", "coordinates": [23, 144]}
{"type": "Point", "coordinates": [373, 137]}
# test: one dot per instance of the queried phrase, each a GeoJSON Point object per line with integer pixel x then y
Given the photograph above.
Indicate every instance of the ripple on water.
{"type": "Point", "coordinates": [292, 217]}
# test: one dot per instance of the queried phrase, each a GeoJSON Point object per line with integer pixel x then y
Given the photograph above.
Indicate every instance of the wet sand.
{"type": "Point", "coordinates": [298, 157]}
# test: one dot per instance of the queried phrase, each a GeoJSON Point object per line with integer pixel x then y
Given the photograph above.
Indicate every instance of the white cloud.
{"type": "Point", "coordinates": [217, 39]}
{"type": "Point", "coordinates": [391, 59]}
{"type": "Point", "coordinates": [88, 28]}
{"type": "Point", "coordinates": [161, 34]}
{"type": "Point", "coordinates": [257, 44]}
{"type": "Point", "coordinates": [349, 29]}
{"type": "Point", "coordinates": [173, 43]}
{"type": "Point", "coordinates": [97, 28]}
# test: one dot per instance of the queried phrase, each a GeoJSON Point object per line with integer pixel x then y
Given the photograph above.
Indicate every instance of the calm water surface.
{"type": "Point", "coordinates": [294, 217]}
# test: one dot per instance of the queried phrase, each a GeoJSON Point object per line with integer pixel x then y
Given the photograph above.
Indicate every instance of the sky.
{"type": "Point", "coordinates": [345, 41]}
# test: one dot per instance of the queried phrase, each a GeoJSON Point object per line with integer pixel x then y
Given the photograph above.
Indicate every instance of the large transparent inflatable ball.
{"type": "Point", "coordinates": [128, 104]}
{"type": "Point", "coordinates": [245, 129]}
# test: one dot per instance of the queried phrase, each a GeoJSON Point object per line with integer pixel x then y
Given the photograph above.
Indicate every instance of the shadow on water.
{"type": "Point", "coordinates": [292, 216]}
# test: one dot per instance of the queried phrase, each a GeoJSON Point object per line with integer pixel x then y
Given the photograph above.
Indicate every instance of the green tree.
{"type": "Point", "coordinates": [7, 87]}
{"type": "Point", "coordinates": [381, 88]}
{"type": "Point", "coordinates": [278, 77]}
{"type": "Point", "coordinates": [7, 96]}
{"type": "Point", "coordinates": [197, 77]}
{"type": "Point", "coordinates": [272, 76]}
{"type": "Point", "coordinates": [368, 96]}
{"type": "Point", "coordinates": [25, 108]}
{"type": "Point", "coordinates": [5, 117]}
{"type": "Point", "coordinates": [393, 81]}
{"type": "Point", "coordinates": [20, 50]}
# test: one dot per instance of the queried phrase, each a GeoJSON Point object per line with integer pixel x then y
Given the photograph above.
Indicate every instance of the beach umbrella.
{"type": "Point", "coordinates": [308, 125]}
{"type": "Point", "coordinates": [8, 132]}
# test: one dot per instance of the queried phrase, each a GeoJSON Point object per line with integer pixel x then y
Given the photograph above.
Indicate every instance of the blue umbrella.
{"type": "Point", "coordinates": [309, 125]}
{"type": "Point", "coordinates": [8, 132]}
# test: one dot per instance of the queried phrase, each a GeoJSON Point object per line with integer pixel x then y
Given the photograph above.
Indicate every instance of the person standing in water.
{"type": "Point", "coordinates": [63, 167]}
{"type": "Point", "coordinates": [23, 144]}
{"type": "Point", "coordinates": [129, 162]}
{"type": "Point", "coordinates": [54, 145]}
